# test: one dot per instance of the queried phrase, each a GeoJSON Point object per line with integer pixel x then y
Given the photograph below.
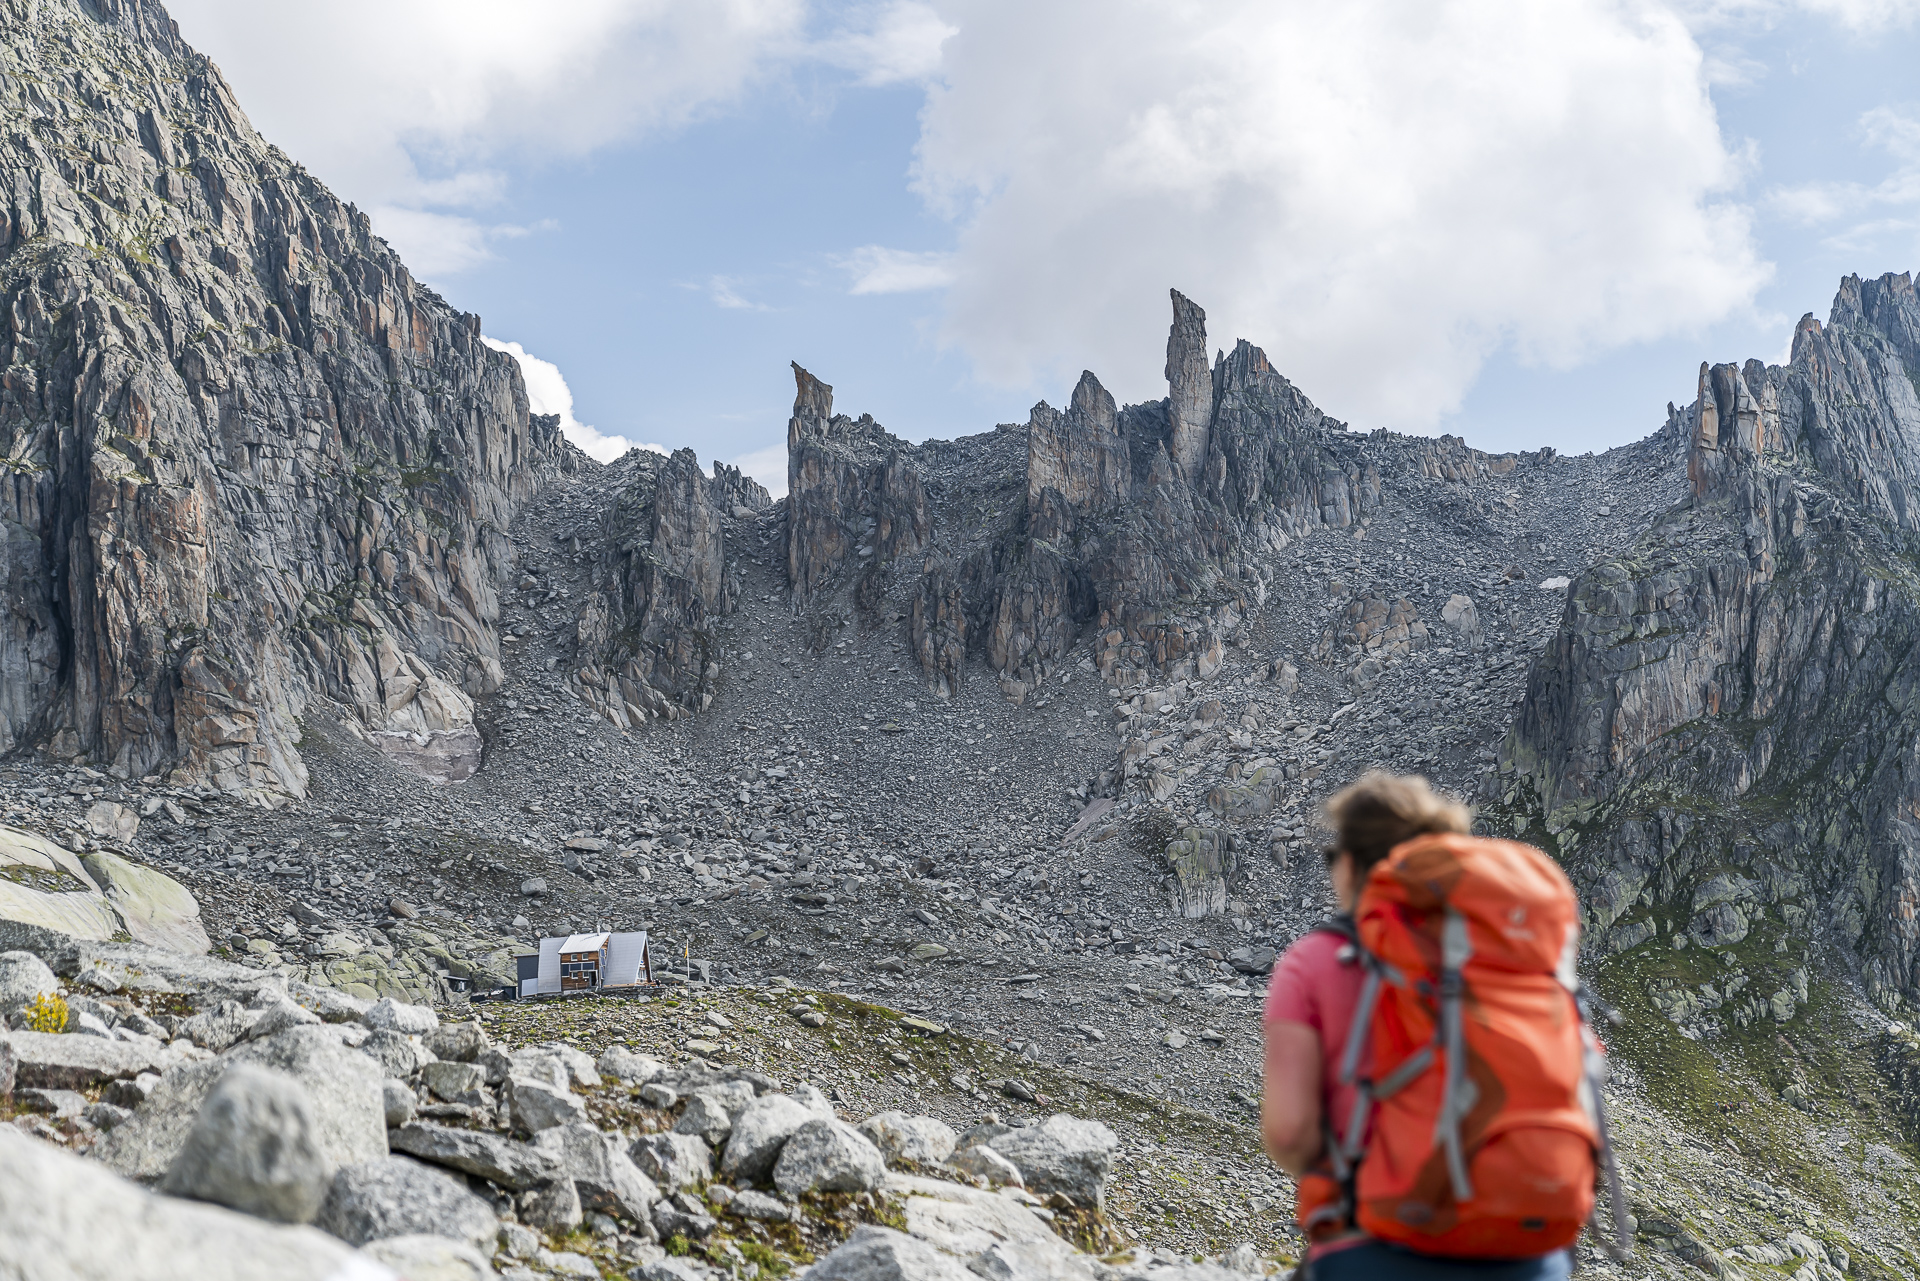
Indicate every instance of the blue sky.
{"type": "Point", "coordinates": [1525, 223]}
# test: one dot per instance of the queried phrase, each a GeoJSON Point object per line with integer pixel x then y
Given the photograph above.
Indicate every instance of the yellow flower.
{"type": "Point", "coordinates": [47, 1013]}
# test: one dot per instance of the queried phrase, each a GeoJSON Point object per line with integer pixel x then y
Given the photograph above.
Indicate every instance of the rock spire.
{"type": "Point", "coordinates": [1189, 388]}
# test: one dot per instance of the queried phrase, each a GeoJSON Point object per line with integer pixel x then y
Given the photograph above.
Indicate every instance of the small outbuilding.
{"type": "Point", "coordinates": [606, 961]}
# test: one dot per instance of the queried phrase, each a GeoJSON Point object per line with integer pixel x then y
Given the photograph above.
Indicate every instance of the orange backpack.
{"type": "Point", "coordinates": [1479, 1118]}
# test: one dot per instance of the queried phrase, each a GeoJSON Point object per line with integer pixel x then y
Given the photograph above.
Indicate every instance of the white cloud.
{"type": "Point", "coordinates": [897, 43]}
{"type": "Point", "coordinates": [726, 297]}
{"type": "Point", "coordinates": [1868, 214]}
{"type": "Point", "coordinates": [437, 245]}
{"type": "Point", "coordinates": [548, 393]}
{"type": "Point", "coordinates": [768, 466]}
{"type": "Point", "coordinates": [1865, 15]}
{"type": "Point", "coordinates": [877, 270]}
{"type": "Point", "coordinates": [423, 98]}
{"type": "Point", "coordinates": [1382, 194]}
{"type": "Point", "coordinates": [433, 245]}
{"type": "Point", "coordinates": [1858, 16]}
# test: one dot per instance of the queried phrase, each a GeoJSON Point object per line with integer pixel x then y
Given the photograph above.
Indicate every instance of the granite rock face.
{"type": "Point", "coordinates": [645, 645]}
{"type": "Point", "coordinates": [853, 498]}
{"type": "Point", "coordinates": [1720, 738]}
{"type": "Point", "coordinates": [1134, 531]}
{"type": "Point", "coordinates": [98, 895]}
{"type": "Point", "coordinates": [247, 462]}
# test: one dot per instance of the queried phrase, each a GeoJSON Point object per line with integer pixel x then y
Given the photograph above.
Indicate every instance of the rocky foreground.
{"type": "Point", "coordinates": [195, 1117]}
{"type": "Point", "coordinates": [176, 1116]}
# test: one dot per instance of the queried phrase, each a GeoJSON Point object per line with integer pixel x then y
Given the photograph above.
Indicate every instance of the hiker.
{"type": "Point", "coordinates": [1367, 1057]}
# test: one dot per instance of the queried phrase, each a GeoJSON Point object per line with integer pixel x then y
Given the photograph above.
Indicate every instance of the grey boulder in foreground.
{"type": "Point", "coordinates": [881, 1254]}
{"type": "Point", "coordinates": [253, 1147]}
{"type": "Point", "coordinates": [398, 1196]}
{"type": "Point", "coordinates": [65, 1217]}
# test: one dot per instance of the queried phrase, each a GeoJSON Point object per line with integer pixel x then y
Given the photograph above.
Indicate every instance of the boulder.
{"type": "Point", "coordinates": [1063, 1156]}
{"type": "Point", "coordinates": [343, 1087]}
{"type": "Point", "coordinates": [144, 1146]}
{"type": "Point", "coordinates": [567, 1067]}
{"type": "Point", "coordinates": [552, 1207]}
{"type": "Point", "coordinates": [254, 1147]}
{"type": "Point", "coordinates": [1463, 616]}
{"type": "Point", "coordinates": [398, 1102]}
{"type": "Point", "coordinates": [750, 1204]}
{"type": "Point", "coordinates": [349, 1104]}
{"type": "Point", "coordinates": [220, 1027]}
{"type": "Point", "coordinates": [57, 1061]}
{"type": "Point", "coordinates": [23, 976]}
{"type": "Point", "coordinates": [399, 1196]}
{"type": "Point", "coordinates": [754, 1142]}
{"type": "Point", "coordinates": [670, 1269]}
{"type": "Point", "coordinates": [389, 1015]}
{"type": "Point", "coordinates": [157, 910]}
{"type": "Point", "coordinates": [604, 1177]}
{"type": "Point", "coordinates": [279, 1015]}
{"type": "Point", "coordinates": [705, 1116]}
{"type": "Point", "coordinates": [452, 1081]}
{"type": "Point", "coordinates": [985, 1132]}
{"type": "Point", "coordinates": [512, 1164]}
{"type": "Point", "coordinates": [423, 1257]}
{"type": "Point", "coordinates": [1247, 800]}
{"type": "Point", "coordinates": [537, 1105]}
{"type": "Point", "coordinates": [982, 1162]}
{"type": "Point", "coordinates": [733, 1092]}
{"type": "Point", "coordinates": [673, 1160]}
{"type": "Point", "coordinates": [104, 1116]}
{"type": "Point", "coordinates": [496, 1063]}
{"type": "Point", "coordinates": [331, 1004]}
{"type": "Point", "coordinates": [59, 1104]}
{"type": "Point", "coordinates": [919, 1140]}
{"type": "Point", "coordinates": [1203, 867]}
{"type": "Point", "coordinates": [999, 1236]}
{"type": "Point", "coordinates": [628, 1068]}
{"type": "Point", "coordinates": [1252, 959]}
{"type": "Point", "coordinates": [399, 1055]}
{"type": "Point", "coordinates": [112, 821]}
{"type": "Point", "coordinates": [458, 1042]}
{"type": "Point", "coordinates": [828, 1156]}
{"type": "Point", "coordinates": [67, 1217]}
{"type": "Point", "coordinates": [882, 1254]}
{"type": "Point", "coordinates": [99, 897]}
{"type": "Point", "coordinates": [683, 1215]}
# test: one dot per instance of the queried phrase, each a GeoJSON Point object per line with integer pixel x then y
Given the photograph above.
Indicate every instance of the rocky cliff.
{"type": "Point", "coordinates": [1137, 530]}
{"type": "Point", "coordinates": [247, 462]}
{"type": "Point", "coordinates": [661, 578]}
{"type": "Point", "coordinates": [1721, 736]}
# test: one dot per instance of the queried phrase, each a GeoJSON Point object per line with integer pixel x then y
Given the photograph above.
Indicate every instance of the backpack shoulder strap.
{"type": "Point", "coordinates": [1339, 923]}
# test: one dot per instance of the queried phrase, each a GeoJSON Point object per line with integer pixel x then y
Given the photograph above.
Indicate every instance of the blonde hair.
{"type": "Point", "coordinates": [1381, 810]}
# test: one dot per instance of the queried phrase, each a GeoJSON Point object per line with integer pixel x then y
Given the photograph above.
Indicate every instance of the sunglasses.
{"type": "Point", "coordinates": [1330, 853]}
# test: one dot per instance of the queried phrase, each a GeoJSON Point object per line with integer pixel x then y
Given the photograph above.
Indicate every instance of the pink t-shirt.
{"type": "Point", "coordinates": [1311, 986]}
